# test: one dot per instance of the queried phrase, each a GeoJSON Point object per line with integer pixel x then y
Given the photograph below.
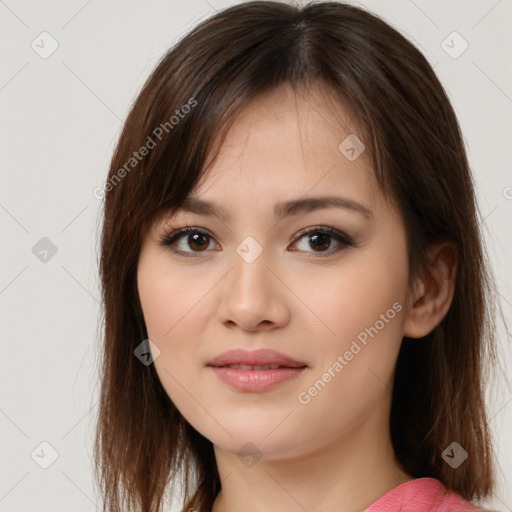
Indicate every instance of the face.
{"type": "Point", "coordinates": [323, 284]}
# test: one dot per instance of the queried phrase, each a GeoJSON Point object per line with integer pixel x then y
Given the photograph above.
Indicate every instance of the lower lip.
{"type": "Point", "coordinates": [256, 380]}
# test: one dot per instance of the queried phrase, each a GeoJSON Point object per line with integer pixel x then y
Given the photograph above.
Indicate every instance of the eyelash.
{"type": "Point", "coordinates": [169, 240]}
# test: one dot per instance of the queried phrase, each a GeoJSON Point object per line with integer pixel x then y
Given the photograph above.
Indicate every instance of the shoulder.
{"type": "Point", "coordinates": [423, 495]}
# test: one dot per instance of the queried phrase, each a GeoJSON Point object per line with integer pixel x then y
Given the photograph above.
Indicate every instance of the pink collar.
{"type": "Point", "coordinates": [421, 495]}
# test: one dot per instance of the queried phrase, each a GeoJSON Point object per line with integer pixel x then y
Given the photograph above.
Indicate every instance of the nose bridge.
{"type": "Point", "coordinates": [252, 294]}
{"type": "Point", "coordinates": [250, 273]}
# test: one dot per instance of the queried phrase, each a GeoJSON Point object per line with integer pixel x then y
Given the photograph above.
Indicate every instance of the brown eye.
{"type": "Point", "coordinates": [199, 241]}
{"type": "Point", "coordinates": [188, 241]}
{"type": "Point", "coordinates": [192, 241]}
{"type": "Point", "coordinates": [320, 242]}
{"type": "Point", "coordinates": [320, 239]}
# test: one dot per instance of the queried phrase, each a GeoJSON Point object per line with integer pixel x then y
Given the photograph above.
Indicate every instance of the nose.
{"type": "Point", "coordinates": [253, 296]}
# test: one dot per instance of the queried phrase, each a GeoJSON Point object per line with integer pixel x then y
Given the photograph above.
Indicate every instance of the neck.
{"type": "Point", "coordinates": [347, 474]}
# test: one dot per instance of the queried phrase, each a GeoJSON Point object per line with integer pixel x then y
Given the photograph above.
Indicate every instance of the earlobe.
{"type": "Point", "coordinates": [432, 296]}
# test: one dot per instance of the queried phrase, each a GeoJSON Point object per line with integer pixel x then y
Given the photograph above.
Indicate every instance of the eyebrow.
{"type": "Point", "coordinates": [282, 209]}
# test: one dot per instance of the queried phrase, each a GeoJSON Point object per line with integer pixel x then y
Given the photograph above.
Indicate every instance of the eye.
{"type": "Point", "coordinates": [321, 237]}
{"type": "Point", "coordinates": [189, 237]}
{"type": "Point", "coordinates": [199, 240]}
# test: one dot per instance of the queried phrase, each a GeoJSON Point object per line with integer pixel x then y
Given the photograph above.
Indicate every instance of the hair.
{"type": "Point", "coordinates": [143, 445]}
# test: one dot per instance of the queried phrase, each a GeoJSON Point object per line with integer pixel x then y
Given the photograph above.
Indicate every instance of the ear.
{"type": "Point", "coordinates": [433, 292]}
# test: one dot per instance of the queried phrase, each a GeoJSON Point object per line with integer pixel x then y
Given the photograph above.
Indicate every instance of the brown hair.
{"type": "Point", "coordinates": [143, 444]}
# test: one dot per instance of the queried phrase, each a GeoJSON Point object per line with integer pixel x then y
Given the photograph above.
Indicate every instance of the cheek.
{"type": "Point", "coordinates": [168, 297]}
{"type": "Point", "coordinates": [364, 310]}
{"type": "Point", "coordinates": [155, 302]}
{"type": "Point", "coordinates": [174, 322]}
{"type": "Point", "coordinates": [162, 310]}
{"type": "Point", "coordinates": [359, 315]}
{"type": "Point", "coordinates": [347, 300]}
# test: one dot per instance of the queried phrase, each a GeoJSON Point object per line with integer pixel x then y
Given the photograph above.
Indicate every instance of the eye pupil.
{"type": "Point", "coordinates": [322, 239]}
{"type": "Point", "coordinates": [200, 236]}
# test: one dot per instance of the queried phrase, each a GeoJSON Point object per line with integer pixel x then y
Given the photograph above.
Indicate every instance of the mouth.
{"type": "Point", "coordinates": [261, 367]}
{"type": "Point", "coordinates": [261, 359]}
{"type": "Point", "coordinates": [257, 371]}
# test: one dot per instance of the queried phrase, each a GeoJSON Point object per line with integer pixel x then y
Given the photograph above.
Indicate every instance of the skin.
{"type": "Point", "coordinates": [335, 452]}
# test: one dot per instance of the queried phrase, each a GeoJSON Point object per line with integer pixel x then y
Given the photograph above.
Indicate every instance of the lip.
{"type": "Point", "coordinates": [255, 380]}
{"type": "Point", "coordinates": [255, 358]}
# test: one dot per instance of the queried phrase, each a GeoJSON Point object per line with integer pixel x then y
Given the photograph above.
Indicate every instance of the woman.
{"type": "Point", "coordinates": [296, 294]}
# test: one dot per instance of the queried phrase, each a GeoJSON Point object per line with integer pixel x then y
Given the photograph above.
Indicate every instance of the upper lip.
{"type": "Point", "coordinates": [254, 358]}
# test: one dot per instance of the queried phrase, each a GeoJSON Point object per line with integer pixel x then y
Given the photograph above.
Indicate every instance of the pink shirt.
{"type": "Point", "coordinates": [421, 495]}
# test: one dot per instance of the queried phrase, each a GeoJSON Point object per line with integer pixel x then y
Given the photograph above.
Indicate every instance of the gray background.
{"type": "Point", "coordinates": [61, 117]}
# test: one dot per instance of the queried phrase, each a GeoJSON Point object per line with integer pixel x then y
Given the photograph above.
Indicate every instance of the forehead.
{"type": "Point", "coordinates": [313, 119]}
{"type": "Point", "coordinates": [291, 143]}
